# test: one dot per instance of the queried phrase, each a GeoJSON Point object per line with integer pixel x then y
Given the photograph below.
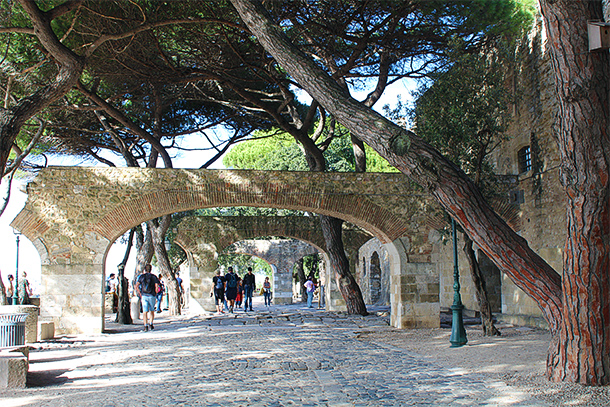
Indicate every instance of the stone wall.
{"type": "Point", "coordinates": [374, 258]}
{"type": "Point", "coordinates": [538, 194]}
{"type": "Point", "coordinates": [73, 214]}
{"type": "Point", "coordinates": [542, 207]}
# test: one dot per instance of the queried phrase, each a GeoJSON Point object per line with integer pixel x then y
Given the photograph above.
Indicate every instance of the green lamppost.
{"type": "Point", "coordinates": [16, 287]}
{"type": "Point", "coordinates": [458, 333]}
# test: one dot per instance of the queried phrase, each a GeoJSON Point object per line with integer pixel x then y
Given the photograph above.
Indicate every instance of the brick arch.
{"type": "Point", "coordinates": [71, 201]}
{"type": "Point", "coordinates": [352, 208]}
{"type": "Point", "coordinates": [73, 214]}
{"type": "Point", "coordinates": [223, 231]}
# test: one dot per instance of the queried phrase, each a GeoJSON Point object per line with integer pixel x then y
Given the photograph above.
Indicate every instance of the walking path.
{"type": "Point", "coordinates": [284, 356]}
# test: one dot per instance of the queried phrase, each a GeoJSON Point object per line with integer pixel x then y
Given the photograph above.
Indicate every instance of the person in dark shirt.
{"type": "Point", "coordinates": [249, 287]}
{"type": "Point", "coordinates": [231, 288]}
{"type": "Point", "coordinates": [147, 287]}
{"type": "Point", "coordinates": [219, 291]}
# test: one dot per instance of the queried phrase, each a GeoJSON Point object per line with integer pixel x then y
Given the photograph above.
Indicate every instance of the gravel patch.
{"type": "Point", "coordinates": [517, 358]}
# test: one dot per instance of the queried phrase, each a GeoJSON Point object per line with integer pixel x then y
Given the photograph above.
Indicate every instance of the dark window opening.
{"type": "Point", "coordinates": [516, 197]}
{"type": "Point", "coordinates": [524, 157]}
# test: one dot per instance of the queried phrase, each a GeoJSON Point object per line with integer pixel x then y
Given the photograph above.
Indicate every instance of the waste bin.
{"type": "Point", "coordinates": [12, 329]}
{"type": "Point", "coordinates": [135, 308]}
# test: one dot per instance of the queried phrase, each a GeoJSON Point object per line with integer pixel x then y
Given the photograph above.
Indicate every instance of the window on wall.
{"type": "Point", "coordinates": [524, 157]}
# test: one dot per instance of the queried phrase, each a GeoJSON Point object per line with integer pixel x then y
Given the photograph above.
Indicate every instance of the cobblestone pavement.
{"type": "Point", "coordinates": [286, 356]}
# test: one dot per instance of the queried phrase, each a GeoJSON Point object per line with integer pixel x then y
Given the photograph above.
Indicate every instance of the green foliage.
{"type": "Point", "coordinates": [268, 150]}
{"type": "Point", "coordinates": [465, 111]}
{"type": "Point", "coordinates": [241, 262]}
{"type": "Point", "coordinates": [247, 211]}
{"type": "Point", "coordinates": [311, 265]}
{"type": "Point", "coordinates": [274, 150]}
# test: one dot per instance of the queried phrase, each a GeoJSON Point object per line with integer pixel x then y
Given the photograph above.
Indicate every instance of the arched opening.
{"type": "Point", "coordinates": [375, 278]}
{"type": "Point", "coordinates": [92, 207]}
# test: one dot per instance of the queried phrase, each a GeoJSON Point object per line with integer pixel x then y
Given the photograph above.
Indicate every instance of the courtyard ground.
{"type": "Point", "coordinates": [292, 355]}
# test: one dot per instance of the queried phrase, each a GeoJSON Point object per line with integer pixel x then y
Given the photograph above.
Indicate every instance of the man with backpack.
{"type": "Point", "coordinates": [147, 287]}
{"type": "Point", "coordinates": [231, 290]}
{"type": "Point", "coordinates": [219, 291]}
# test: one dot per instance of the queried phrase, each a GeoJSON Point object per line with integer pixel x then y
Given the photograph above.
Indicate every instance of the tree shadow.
{"type": "Point", "coordinates": [47, 378]}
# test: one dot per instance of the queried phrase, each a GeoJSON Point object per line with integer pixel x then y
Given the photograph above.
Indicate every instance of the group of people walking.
{"type": "Point", "coordinates": [231, 291]}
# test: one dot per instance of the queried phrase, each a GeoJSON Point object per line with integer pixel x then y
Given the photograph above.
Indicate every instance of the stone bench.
{"type": "Point", "coordinates": [14, 365]}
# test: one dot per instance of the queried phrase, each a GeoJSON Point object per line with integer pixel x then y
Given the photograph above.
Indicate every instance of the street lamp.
{"type": "Point", "coordinates": [458, 333]}
{"type": "Point", "coordinates": [16, 288]}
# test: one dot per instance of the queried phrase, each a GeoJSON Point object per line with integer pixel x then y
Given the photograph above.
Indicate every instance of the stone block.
{"type": "Point", "coordinates": [429, 298]}
{"type": "Point", "coordinates": [13, 371]}
{"type": "Point", "coordinates": [67, 325]}
{"type": "Point", "coordinates": [407, 279]}
{"type": "Point", "coordinates": [46, 330]}
{"type": "Point", "coordinates": [410, 288]}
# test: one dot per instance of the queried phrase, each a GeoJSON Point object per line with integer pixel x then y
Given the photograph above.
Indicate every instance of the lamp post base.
{"type": "Point", "coordinates": [458, 333]}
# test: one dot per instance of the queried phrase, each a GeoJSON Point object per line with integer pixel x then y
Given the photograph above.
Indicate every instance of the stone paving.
{"type": "Point", "coordinates": [284, 356]}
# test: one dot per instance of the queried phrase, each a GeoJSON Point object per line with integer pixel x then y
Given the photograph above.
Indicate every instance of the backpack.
{"type": "Point", "coordinates": [219, 285]}
{"type": "Point", "coordinates": [148, 283]}
{"type": "Point", "coordinates": [232, 280]}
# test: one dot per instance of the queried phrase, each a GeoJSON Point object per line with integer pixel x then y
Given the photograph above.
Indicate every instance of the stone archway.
{"type": "Point", "coordinates": [280, 253]}
{"type": "Point", "coordinates": [203, 237]}
{"type": "Point", "coordinates": [73, 214]}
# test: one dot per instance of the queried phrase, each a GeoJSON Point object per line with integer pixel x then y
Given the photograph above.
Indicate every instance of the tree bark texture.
{"type": "Point", "coordinates": [123, 314]}
{"type": "Point", "coordinates": [581, 351]}
{"type": "Point", "coordinates": [577, 307]}
{"type": "Point", "coordinates": [144, 249]}
{"type": "Point", "coordinates": [489, 329]}
{"type": "Point", "coordinates": [332, 229]}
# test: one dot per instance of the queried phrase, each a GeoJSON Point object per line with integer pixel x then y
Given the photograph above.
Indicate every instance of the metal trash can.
{"type": "Point", "coordinates": [12, 329]}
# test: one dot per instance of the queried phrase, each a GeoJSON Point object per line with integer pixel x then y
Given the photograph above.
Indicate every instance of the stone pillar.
{"type": "Point", "coordinates": [335, 301]}
{"type": "Point", "coordinates": [282, 281]}
{"type": "Point", "coordinates": [73, 282]}
{"type": "Point", "coordinates": [202, 268]}
{"type": "Point", "coordinates": [73, 297]}
{"type": "Point", "coordinates": [414, 290]}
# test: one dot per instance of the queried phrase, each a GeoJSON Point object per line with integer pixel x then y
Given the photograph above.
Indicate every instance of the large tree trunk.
{"type": "Point", "coordinates": [576, 308]}
{"type": "Point", "coordinates": [144, 249]}
{"type": "Point", "coordinates": [332, 230]}
{"type": "Point", "coordinates": [580, 351]}
{"type": "Point", "coordinates": [123, 314]}
{"type": "Point", "coordinates": [489, 329]}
